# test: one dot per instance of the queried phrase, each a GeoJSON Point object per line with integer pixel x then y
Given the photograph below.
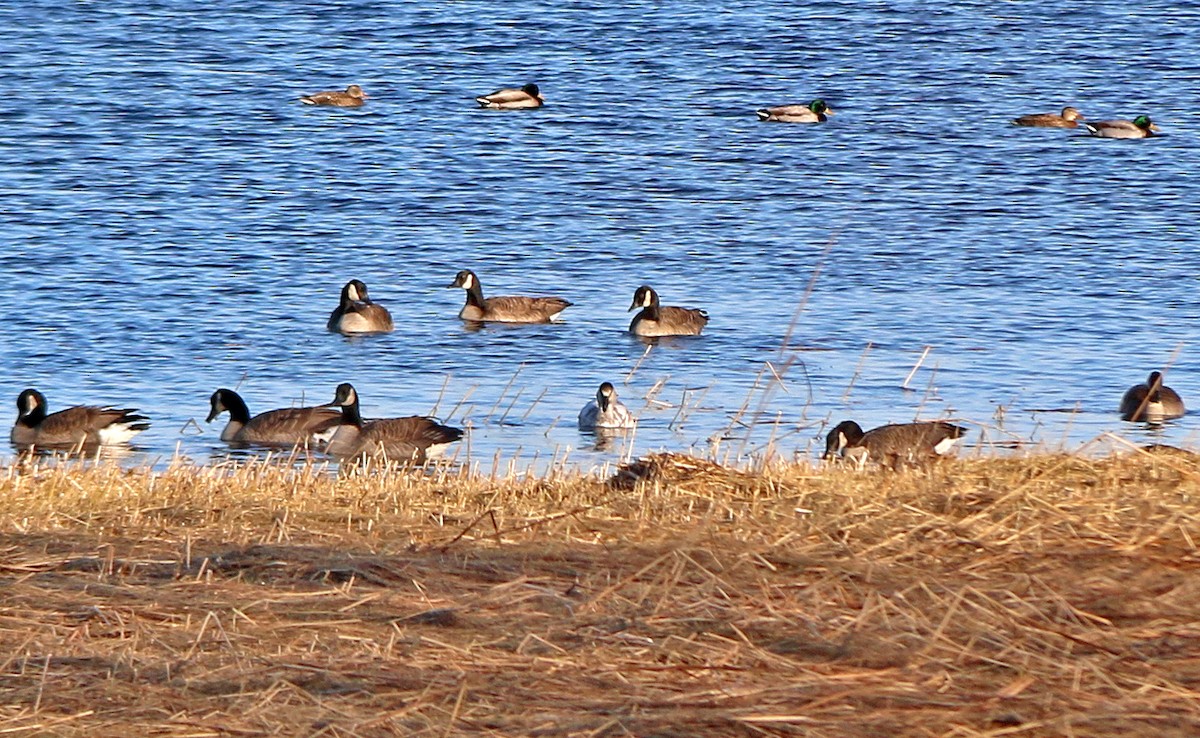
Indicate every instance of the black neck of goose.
{"type": "Point", "coordinates": [34, 417]}
{"type": "Point", "coordinates": [351, 414]}
{"type": "Point", "coordinates": [238, 412]}
{"type": "Point", "coordinates": [652, 311]}
{"type": "Point", "coordinates": [475, 294]}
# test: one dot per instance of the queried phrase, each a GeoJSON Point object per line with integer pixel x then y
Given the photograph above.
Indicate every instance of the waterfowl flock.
{"type": "Point", "coordinates": [339, 429]}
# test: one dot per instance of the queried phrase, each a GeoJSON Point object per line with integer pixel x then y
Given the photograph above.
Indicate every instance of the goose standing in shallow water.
{"type": "Point", "coordinates": [606, 411]}
{"type": "Point", "coordinates": [814, 112]}
{"type": "Point", "coordinates": [352, 97]}
{"type": "Point", "coordinates": [412, 439]}
{"type": "Point", "coordinates": [1051, 120]}
{"type": "Point", "coordinates": [1139, 127]}
{"type": "Point", "coordinates": [526, 96]}
{"type": "Point", "coordinates": [288, 426]}
{"type": "Point", "coordinates": [79, 427]}
{"type": "Point", "coordinates": [659, 320]}
{"type": "Point", "coordinates": [356, 313]}
{"type": "Point", "coordinates": [504, 309]}
{"type": "Point", "coordinates": [1152, 402]}
{"type": "Point", "coordinates": [891, 444]}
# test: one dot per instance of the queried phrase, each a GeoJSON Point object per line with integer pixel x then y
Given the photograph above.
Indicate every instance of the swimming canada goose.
{"type": "Point", "coordinates": [352, 97]}
{"type": "Point", "coordinates": [512, 99]}
{"type": "Point", "coordinates": [606, 411]}
{"type": "Point", "coordinates": [288, 426]}
{"type": "Point", "coordinates": [505, 309]}
{"type": "Point", "coordinates": [414, 439]}
{"type": "Point", "coordinates": [814, 112]}
{"type": "Point", "coordinates": [657, 320]}
{"type": "Point", "coordinates": [79, 427]}
{"type": "Point", "coordinates": [1051, 120]}
{"type": "Point", "coordinates": [1151, 402]}
{"type": "Point", "coordinates": [356, 313]}
{"type": "Point", "coordinates": [1139, 127]}
{"type": "Point", "coordinates": [892, 444]}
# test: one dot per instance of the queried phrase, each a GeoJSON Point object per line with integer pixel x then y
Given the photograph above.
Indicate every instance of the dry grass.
{"type": "Point", "coordinates": [1049, 596]}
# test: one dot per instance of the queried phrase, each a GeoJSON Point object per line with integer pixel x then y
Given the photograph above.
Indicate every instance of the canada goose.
{"type": "Point", "coordinates": [606, 411]}
{"type": "Point", "coordinates": [657, 320]}
{"type": "Point", "coordinates": [82, 426]}
{"type": "Point", "coordinates": [352, 97]}
{"type": "Point", "coordinates": [814, 112]}
{"type": "Point", "coordinates": [891, 444]}
{"type": "Point", "coordinates": [414, 439]}
{"type": "Point", "coordinates": [512, 99]}
{"type": "Point", "coordinates": [1051, 120]}
{"type": "Point", "coordinates": [506, 309]}
{"type": "Point", "coordinates": [288, 426]}
{"type": "Point", "coordinates": [1151, 402]}
{"type": "Point", "coordinates": [356, 313]}
{"type": "Point", "coordinates": [1139, 127]}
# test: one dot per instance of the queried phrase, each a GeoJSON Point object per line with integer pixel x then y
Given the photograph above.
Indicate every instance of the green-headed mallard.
{"type": "Point", "coordinates": [815, 112]}
{"type": "Point", "coordinates": [1139, 127]}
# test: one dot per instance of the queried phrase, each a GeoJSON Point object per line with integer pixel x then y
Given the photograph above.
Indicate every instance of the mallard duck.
{"type": "Point", "coordinates": [891, 444]}
{"type": "Point", "coordinates": [655, 319]}
{"type": "Point", "coordinates": [352, 97]}
{"type": "Point", "coordinates": [1067, 119]}
{"type": "Point", "coordinates": [356, 313]}
{"type": "Point", "coordinates": [606, 411]}
{"type": "Point", "coordinates": [1152, 402]}
{"type": "Point", "coordinates": [527, 96]}
{"type": "Point", "coordinates": [288, 426]}
{"type": "Point", "coordinates": [79, 427]}
{"type": "Point", "coordinates": [507, 308]}
{"type": "Point", "coordinates": [1139, 127]}
{"type": "Point", "coordinates": [815, 112]}
{"type": "Point", "coordinates": [412, 439]}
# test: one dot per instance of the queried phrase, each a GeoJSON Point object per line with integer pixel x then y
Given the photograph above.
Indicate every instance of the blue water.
{"type": "Point", "coordinates": [176, 221]}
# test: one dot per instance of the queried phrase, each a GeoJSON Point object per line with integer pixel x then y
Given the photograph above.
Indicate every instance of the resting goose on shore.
{"type": "Point", "coordinates": [891, 444]}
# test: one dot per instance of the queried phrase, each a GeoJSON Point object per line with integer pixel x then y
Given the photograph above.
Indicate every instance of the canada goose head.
{"type": "Point", "coordinates": [31, 407]}
{"type": "Point", "coordinates": [465, 279]}
{"type": "Point", "coordinates": [344, 396]}
{"type": "Point", "coordinates": [532, 90]}
{"type": "Point", "coordinates": [643, 297]}
{"type": "Point", "coordinates": [1070, 113]}
{"type": "Point", "coordinates": [1155, 383]}
{"type": "Point", "coordinates": [355, 291]}
{"type": "Point", "coordinates": [226, 400]}
{"type": "Point", "coordinates": [846, 433]}
{"type": "Point", "coordinates": [356, 91]}
{"type": "Point", "coordinates": [605, 396]}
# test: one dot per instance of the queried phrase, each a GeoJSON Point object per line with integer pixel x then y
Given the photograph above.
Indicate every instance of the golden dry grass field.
{"type": "Point", "coordinates": [1042, 596]}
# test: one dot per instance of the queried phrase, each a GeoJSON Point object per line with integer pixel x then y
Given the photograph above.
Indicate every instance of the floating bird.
{"type": "Point", "coordinates": [657, 320]}
{"type": "Point", "coordinates": [289, 426]}
{"type": "Point", "coordinates": [512, 99]}
{"type": "Point", "coordinates": [891, 444]}
{"type": "Point", "coordinates": [352, 97]}
{"type": "Point", "coordinates": [413, 439]}
{"type": "Point", "coordinates": [505, 309]}
{"type": "Point", "coordinates": [356, 313]}
{"type": "Point", "coordinates": [815, 112]}
{"type": "Point", "coordinates": [606, 411]}
{"type": "Point", "coordinates": [1139, 127]}
{"type": "Point", "coordinates": [1051, 120]}
{"type": "Point", "coordinates": [1152, 402]}
{"type": "Point", "coordinates": [79, 427]}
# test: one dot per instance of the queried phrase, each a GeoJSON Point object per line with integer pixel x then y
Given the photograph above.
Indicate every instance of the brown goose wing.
{"type": "Point", "coordinates": [691, 320]}
{"type": "Point", "coordinates": [405, 439]}
{"type": "Point", "coordinates": [1132, 403]}
{"type": "Point", "coordinates": [519, 309]}
{"type": "Point", "coordinates": [289, 426]}
{"type": "Point", "coordinates": [79, 424]}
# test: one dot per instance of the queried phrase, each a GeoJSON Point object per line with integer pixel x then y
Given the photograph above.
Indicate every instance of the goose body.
{"type": "Point", "coordinates": [356, 313]}
{"type": "Point", "coordinates": [892, 444]}
{"type": "Point", "coordinates": [352, 97]}
{"type": "Point", "coordinates": [606, 411]}
{"type": "Point", "coordinates": [1067, 119]}
{"type": "Point", "coordinates": [289, 426]}
{"type": "Point", "coordinates": [526, 96]}
{"type": "Point", "coordinates": [1152, 402]}
{"type": "Point", "coordinates": [413, 439]}
{"type": "Point", "coordinates": [79, 427]}
{"type": "Point", "coordinates": [1139, 127]}
{"type": "Point", "coordinates": [814, 112]}
{"type": "Point", "coordinates": [505, 309]}
{"type": "Point", "coordinates": [658, 320]}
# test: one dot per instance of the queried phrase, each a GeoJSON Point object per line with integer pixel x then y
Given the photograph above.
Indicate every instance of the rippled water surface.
{"type": "Point", "coordinates": [176, 221]}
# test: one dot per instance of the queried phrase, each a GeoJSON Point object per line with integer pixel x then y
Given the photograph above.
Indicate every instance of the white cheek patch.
{"type": "Point", "coordinates": [352, 293]}
{"type": "Point", "coordinates": [943, 446]}
{"type": "Point", "coordinates": [841, 441]}
{"type": "Point", "coordinates": [468, 282]}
